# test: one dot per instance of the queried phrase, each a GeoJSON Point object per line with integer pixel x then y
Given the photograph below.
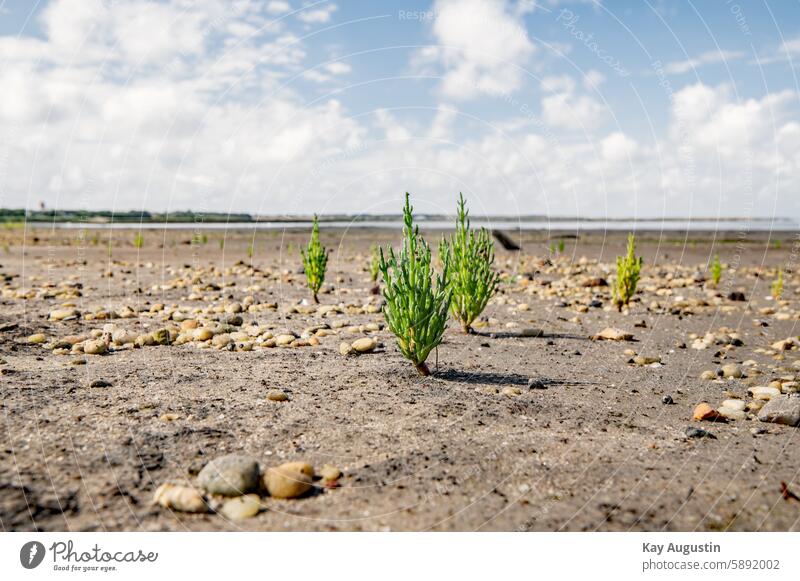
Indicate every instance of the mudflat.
{"type": "Point", "coordinates": [533, 423]}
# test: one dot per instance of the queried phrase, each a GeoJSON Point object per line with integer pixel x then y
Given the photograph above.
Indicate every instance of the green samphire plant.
{"type": "Point", "coordinates": [472, 280]}
{"type": "Point", "coordinates": [628, 269]}
{"type": "Point", "coordinates": [716, 270]}
{"type": "Point", "coordinates": [375, 263]}
{"type": "Point", "coordinates": [416, 308]}
{"type": "Point", "coordinates": [777, 286]}
{"type": "Point", "coordinates": [315, 261]}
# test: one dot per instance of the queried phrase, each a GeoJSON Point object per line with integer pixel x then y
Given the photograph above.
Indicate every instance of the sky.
{"type": "Point", "coordinates": [586, 108]}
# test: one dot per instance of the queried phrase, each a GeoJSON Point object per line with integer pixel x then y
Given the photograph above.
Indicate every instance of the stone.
{"type": "Point", "coordinates": [203, 334]}
{"type": "Point", "coordinates": [737, 296]}
{"type": "Point", "coordinates": [330, 472]}
{"type": "Point", "coordinates": [667, 400]}
{"type": "Point", "coordinates": [536, 384]}
{"type": "Point", "coordinates": [64, 314]}
{"type": "Point", "coordinates": [100, 383]}
{"type": "Point", "coordinates": [704, 412]}
{"type": "Point", "coordinates": [303, 467]}
{"type": "Point", "coordinates": [230, 475]}
{"type": "Point", "coordinates": [364, 345]}
{"type": "Point", "coordinates": [346, 349]}
{"type": "Point", "coordinates": [162, 337]}
{"type": "Point", "coordinates": [277, 395]}
{"type": "Point", "coordinates": [763, 392]}
{"type": "Point", "coordinates": [180, 497]}
{"type": "Point", "coordinates": [37, 339]}
{"type": "Point", "coordinates": [612, 334]}
{"type": "Point", "coordinates": [736, 404]}
{"type": "Point", "coordinates": [284, 340]}
{"type": "Point", "coordinates": [782, 409]}
{"type": "Point", "coordinates": [95, 347]}
{"type": "Point", "coordinates": [731, 413]}
{"type": "Point", "coordinates": [641, 360]}
{"type": "Point", "coordinates": [241, 507]}
{"type": "Point", "coordinates": [693, 432]}
{"type": "Point", "coordinates": [732, 370]}
{"type": "Point", "coordinates": [285, 482]}
{"type": "Point", "coordinates": [708, 375]}
{"type": "Point", "coordinates": [511, 391]}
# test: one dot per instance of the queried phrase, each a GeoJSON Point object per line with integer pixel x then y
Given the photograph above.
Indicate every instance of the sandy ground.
{"type": "Point", "coordinates": [596, 450]}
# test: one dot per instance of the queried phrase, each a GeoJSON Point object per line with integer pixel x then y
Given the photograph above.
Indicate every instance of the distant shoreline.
{"type": "Point", "coordinates": [212, 219]}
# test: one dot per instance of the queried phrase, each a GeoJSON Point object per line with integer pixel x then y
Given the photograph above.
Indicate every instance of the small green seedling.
{"type": "Point", "coordinates": [561, 246]}
{"type": "Point", "coordinates": [415, 309]}
{"type": "Point", "coordinates": [251, 250]}
{"type": "Point", "coordinates": [777, 286]}
{"type": "Point", "coordinates": [716, 270]}
{"type": "Point", "coordinates": [375, 263]}
{"type": "Point", "coordinates": [315, 261]}
{"type": "Point", "coordinates": [138, 240]}
{"type": "Point", "coordinates": [628, 269]}
{"type": "Point", "coordinates": [222, 243]}
{"type": "Point", "coordinates": [472, 280]}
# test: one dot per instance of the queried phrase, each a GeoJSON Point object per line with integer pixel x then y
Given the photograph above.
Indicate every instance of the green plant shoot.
{"type": "Point", "coordinates": [315, 260]}
{"type": "Point", "coordinates": [716, 270]}
{"type": "Point", "coordinates": [375, 263]}
{"type": "Point", "coordinates": [415, 309]}
{"type": "Point", "coordinates": [138, 240]}
{"type": "Point", "coordinates": [472, 280]}
{"type": "Point", "coordinates": [777, 285]}
{"type": "Point", "coordinates": [628, 269]}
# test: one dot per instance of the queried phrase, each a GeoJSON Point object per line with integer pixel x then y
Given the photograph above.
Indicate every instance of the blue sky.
{"type": "Point", "coordinates": [562, 108]}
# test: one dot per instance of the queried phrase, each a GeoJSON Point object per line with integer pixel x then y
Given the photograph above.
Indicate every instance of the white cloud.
{"type": "Point", "coordinates": [482, 48]}
{"type": "Point", "coordinates": [90, 121]}
{"type": "Point", "coordinates": [565, 109]}
{"type": "Point", "coordinates": [278, 7]}
{"type": "Point", "coordinates": [317, 15]}
{"type": "Point", "coordinates": [707, 58]}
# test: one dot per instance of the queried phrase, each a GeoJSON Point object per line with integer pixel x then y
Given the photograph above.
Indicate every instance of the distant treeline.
{"type": "Point", "coordinates": [20, 215]}
{"type": "Point", "coordinates": [134, 216]}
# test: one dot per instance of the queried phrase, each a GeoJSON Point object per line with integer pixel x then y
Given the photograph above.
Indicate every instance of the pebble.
{"type": "Point", "coordinates": [704, 412]}
{"type": "Point", "coordinates": [612, 334]}
{"type": "Point", "coordinates": [708, 375]}
{"type": "Point", "coordinates": [346, 348]}
{"type": "Point", "coordinates": [667, 400]}
{"type": "Point", "coordinates": [763, 392]}
{"type": "Point", "coordinates": [95, 347]}
{"type": "Point", "coordinates": [203, 334]}
{"type": "Point", "coordinates": [732, 370]}
{"type": "Point", "coordinates": [364, 345]}
{"type": "Point", "coordinates": [179, 497]}
{"type": "Point", "coordinates": [285, 481]}
{"type": "Point", "coordinates": [100, 383]}
{"type": "Point", "coordinates": [283, 340]}
{"type": "Point", "coordinates": [782, 409]}
{"type": "Point", "coordinates": [511, 391]}
{"type": "Point", "coordinates": [277, 395]}
{"type": "Point", "coordinates": [64, 314]}
{"type": "Point", "coordinates": [330, 472]}
{"type": "Point", "coordinates": [230, 475]}
{"type": "Point", "coordinates": [536, 384]}
{"type": "Point", "coordinates": [692, 432]}
{"type": "Point", "coordinates": [241, 507]}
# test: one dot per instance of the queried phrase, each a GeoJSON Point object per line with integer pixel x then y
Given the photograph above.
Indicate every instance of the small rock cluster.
{"type": "Point", "coordinates": [234, 486]}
